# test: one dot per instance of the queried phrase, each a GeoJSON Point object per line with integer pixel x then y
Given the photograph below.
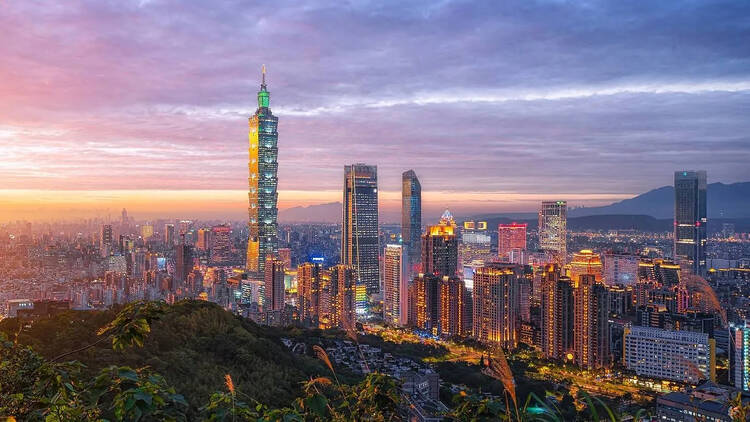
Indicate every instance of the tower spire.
{"type": "Point", "coordinates": [263, 70]}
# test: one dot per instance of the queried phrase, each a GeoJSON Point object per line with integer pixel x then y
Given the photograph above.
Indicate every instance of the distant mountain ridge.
{"type": "Point", "coordinates": [724, 201]}
{"type": "Point", "coordinates": [321, 213]}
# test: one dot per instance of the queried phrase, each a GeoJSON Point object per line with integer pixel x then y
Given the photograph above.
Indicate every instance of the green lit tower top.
{"type": "Point", "coordinates": [263, 183]}
{"type": "Point", "coordinates": [263, 93]}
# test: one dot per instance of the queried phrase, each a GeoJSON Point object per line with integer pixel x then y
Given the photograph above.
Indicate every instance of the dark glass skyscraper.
{"type": "Point", "coordinates": [690, 219]}
{"type": "Point", "coordinates": [411, 218]}
{"type": "Point", "coordinates": [359, 229]}
{"type": "Point", "coordinates": [263, 182]}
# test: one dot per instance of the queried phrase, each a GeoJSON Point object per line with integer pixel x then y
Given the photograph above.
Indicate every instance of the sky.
{"type": "Point", "coordinates": [495, 105]}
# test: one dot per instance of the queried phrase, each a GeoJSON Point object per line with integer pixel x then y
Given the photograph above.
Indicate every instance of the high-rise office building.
{"type": "Point", "coordinates": [739, 355]}
{"type": "Point", "coordinates": [183, 261]}
{"type": "Point", "coordinates": [147, 231]}
{"type": "Point", "coordinates": [690, 220]}
{"type": "Point", "coordinates": [359, 230]}
{"type": "Point", "coordinates": [274, 284]}
{"type": "Point", "coordinates": [411, 219]}
{"type": "Point", "coordinates": [591, 322]}
{"type": "Point", "coordinates": [395, 285]}
{"type": "Point", "coordinates": [204, 240]}
{"type": "Point", "coordinates": [169, 235]}
{"type": "Point", "coordinates": [585, 262]}
{"type": "Point", "coordinates": [495, 298]}
{"type": "Point", "coordinates": [221, 245]}
{"type": "Point", "coordinates": [263, 183]}
{"type": "Point", "coordinates": [553, 222]}
{"type": "Point", "coordinates": [510, 237]}
{"type": "Point", "coordinates": [557, 304]}
{"type": "Point", "coordinates": [106, 241]}
{"type": "Point", "coordinates": [440, 248]}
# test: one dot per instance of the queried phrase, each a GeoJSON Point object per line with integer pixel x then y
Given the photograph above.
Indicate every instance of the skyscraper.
{"type": "Point", "coordinates": [553, 221]}
{"type": "Point", "coordinates": [510, 237]}
{"type": "Point", "coordinates": [739, 355]}
{"type": "Point", "coordinates": [359, 229]}
{"type": "Point", "coordinates": [425, 301]}
{"type": "Point", "coordinates": [308, 292]}
{"type": "Point", "coordinates": [344, 301]}
{"type": "Point", "coordinates": [411, 218]}
{"type": "Point", "coordinates": [274, 284]}
{"type": "Point", "coordinates": [263, 183]}
{"type": "Point", "coordinates": [183, 261]}
{"type": "Point", "coordinates": [690, 220]}
{"type": "Point", "coordinates": [591, 325]}
{"type": "Point", "coordinates": [105, 241]}
{"type": "Point", "coordinates": [557, 314]}
{"type": "Point", "coordinates": [440, 248]}
{"type": "Point", "coordinates": [204, 239]}
{"type": "Point", "coordinates": [395, 285]}
{"type": "Point", "coordinates": [221, 245]}
{"type": "Point", "coordinates": [496, 303]}
{"type": "Point", "coordinates": [169, 235]}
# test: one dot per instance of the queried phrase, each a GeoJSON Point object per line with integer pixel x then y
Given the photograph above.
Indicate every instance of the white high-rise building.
{"type": "Point", "coordinates": [683, 356]}
{"type": "Point", "coordinates": [395, 285]}
{"type": "Point", "coordinates": [553, 223]}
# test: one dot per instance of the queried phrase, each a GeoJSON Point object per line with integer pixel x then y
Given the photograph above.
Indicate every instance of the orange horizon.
{"type": "Point", "coordinates": [41, 205]}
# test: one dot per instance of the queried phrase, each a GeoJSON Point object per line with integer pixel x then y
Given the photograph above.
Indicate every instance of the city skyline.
{"type": "Point", "coordinates": [151, 112]}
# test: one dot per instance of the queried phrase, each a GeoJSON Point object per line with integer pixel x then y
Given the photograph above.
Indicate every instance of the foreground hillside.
{"type": "Point", "coordinates": [193, 346]}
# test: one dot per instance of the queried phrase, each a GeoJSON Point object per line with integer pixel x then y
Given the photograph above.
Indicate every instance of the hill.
{"type": "Point", "coordinates": [320, 213]}
{"type": "Point", "coordinates": [193, 347]}
{"type": "Point", "coordinates": [724, 201]}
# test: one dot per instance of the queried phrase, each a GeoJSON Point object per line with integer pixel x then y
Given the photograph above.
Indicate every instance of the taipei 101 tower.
{"type": "Point", "coordinates": [263, 183]}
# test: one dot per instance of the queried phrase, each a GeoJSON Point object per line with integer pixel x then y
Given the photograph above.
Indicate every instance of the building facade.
{"type": "Point", "coordinates": [221, 245]}
{"type": "Point", "coordinates": [263, 183]}
{"type": "Point", "coordinates": [395, 285]}
{"type": "Point", "coordinates": [440, 248]}
{"type": "Point", "coordinates": [411, 219]}
{"type": "Point", "coordinates": [620, 269]}
{"type": "Point", "coordinates": [739, 355]}
{"type": "Point", "coordinates": [510, 237]}
{"type": "Point", "coordinates": [557, 314]}
{"type": "Point", "coordinates": [591, 323]}
{"type": "Point", "coordinates": [683, 356]}
{"type": "Point", "coordinates": [359, 231]}
{"type": "Point", "coordinates": [274, 284]}
{"type": "Point", "coordinates": [553, 229]}
{"type": "Point", "coordinates": [496, 302]}
{"type": "Point", "coordinates": [690, 220]}
{"type": "Point", "coordinates": [585, 262]}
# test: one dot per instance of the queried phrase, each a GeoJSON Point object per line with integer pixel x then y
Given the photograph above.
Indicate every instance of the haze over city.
{"type": "Point", "coordinates": [145, 104]}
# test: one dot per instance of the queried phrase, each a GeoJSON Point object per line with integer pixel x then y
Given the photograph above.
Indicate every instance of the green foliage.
{"type": "Point", "coordinates": [132, 323]}
{"type": "Point", "coordinates": [197, 345]}
{"type": "Point", "coordinates": [191, 343]}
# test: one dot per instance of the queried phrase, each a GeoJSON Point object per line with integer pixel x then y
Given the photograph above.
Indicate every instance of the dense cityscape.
{"type": "Point", "coordinates": [484, 258]}
{"type": "Point", "coordinates": [662, 311]}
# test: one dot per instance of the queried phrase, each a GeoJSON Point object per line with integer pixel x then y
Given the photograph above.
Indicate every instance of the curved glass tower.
{"type": "Point", "coordinates": [263, 183]}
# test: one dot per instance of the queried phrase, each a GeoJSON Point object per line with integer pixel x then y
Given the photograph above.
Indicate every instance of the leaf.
{"type": "Point", "coordinates": [317, 403]}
